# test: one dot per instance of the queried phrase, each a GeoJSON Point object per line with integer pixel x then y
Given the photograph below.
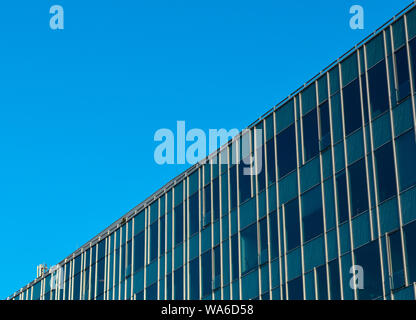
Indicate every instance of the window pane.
{"type": "Point", "coordinates": [406, 155]}
{"type": "Point", "coordinates": [410, 240]}
{"type": "Point", "coordinates": [295, 288]}
{"type": "Point", "coordinates": [194, 279]}
{"type": "Point", "coordinates": [244, 180]}
{"type": "Point", "coordinates": [312, 213]}
{"type": "Point", "coordinates": [377, 78]}
{"type": "Point", "coordinates": [153, 241]}
{"type": "Point", "coordinates": [178, 287]}
{"type": "Point", "coordinates": [412, 47]}
{"type": "Point", "coordinates": [233, 186]}
{"type": "Point", "coordinates": [261, 168]}
{"type": "Point", "coordinates": [178, 224]}
{"type": "Point", "coordinates": [248, 248]}
{"type": "Point", "coordinates": [321, 282]}
{"type": "Point", "coordinates": [286, 151]}
{"type": "Point", "coordinates": [271, 165]}
{"type": "Point", "coordinates": [310, 135]}
{"type": "Point", "coordinates": [264, 243]}
{"type": "Point", "coordinates": [206, 265]}
{"type": "Point", "coordinates": [358, 187]}
{"type": "Point", "coordinates": [352, 107]}
{"type": "Point", "coordinates": [368, 257]}
{"type": "Point", "coordinates": [207, 205]}
{"type": "Point", "coordinates": [325, 128]}
{"type": "Point", "coordinates": [334, 280]}
{"type": "Point", "coordinates": [292, 224]}
{"type": "Point", "coordinates": [234, 257]}
{"type": "Point", "coordinates": [216, 199]}
{"type": "Point", "coordinates": [274, 239]}
{"type": "Point", "coordinates": [217, 267]}
{"type": "Point", "coordinates": [193, 213]}
{"type": "Point", "coordinates": [402, 70]}
{"type": "Point", "coordinates": [396, 260]}
{"type": "Point", "coordinates": [386, 181]}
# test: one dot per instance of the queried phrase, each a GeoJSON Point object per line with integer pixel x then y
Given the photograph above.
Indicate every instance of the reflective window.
{"type": "Point", "coordinates": [334, 281]}
{"type": "Point", "coordinates": [406, 155]}
{"type": "Point", "coordinates": [217, 267]}
{"type": "Point", "coordinates": [312, 213]}
{"type": "Point", "coordinates": [274, 237]}
{"type": "Point", "coordinates": [402, 73]}
{"type": "Point", "coordinates": [412, 47]}
{"type": "Point", "coordinates": [352, 107]}
{"type": "Point", "coordinates": [286, 151]}
{"type": "Point", "coordinates": [193, 213]}
{"type": "Point", "coordinates": [153, 237]}
{"type": "Point", "coordinates": [162, 235]}
{"type": "Point", "coordinates": [206, 265]}
{"type": "Point", "coordinates": [295, 288]}
{"type": "Point", "coordinates": [194, 279]}
{"type": "Point", "coordinates": [321, 282]}
{"type": "Point", "coordinates": [244, 180]}
{"type": "Point", "coordinates": [261, 168]}
{"type": "Point", "coordinates": [233, 186]}
{"type": "Point", "coordinates": [358, 187]}
{"type": "Point", "coordinates": [410, 240]}
{"type": "Point", "coordinates": [386, 181]}
{"type": "Point", "coordinates": [342, 197]}
{"type": "Point", "coordinates": [248, 249]}
{"type": "Point", "coordinates": [325, 127]}
{"type": "Point", "coordinates": [271, 165]}
{"type": "Point", "coordinates": [368, 257]}
{"type": "Point", "coordinates": [379, 97]}
{"type": "Point", "coordinates": [178, 224]}
{"type": "Point", "coordinates": [234, 257]}
{"type": "Point", "coordinates": [264, 243]}
{"type": "Point", "coordinates": [396, 260]}
{"type": "Point", "coordinates": [292, 224]}
{"type": "Point", "coordinates": [207, 206]}
{"type": "Point", "coordinates": [178, 286]}
{"type": "Point", "coordinates": [216, 199]}
{"type": "Point", "coordinates": [310, 135]}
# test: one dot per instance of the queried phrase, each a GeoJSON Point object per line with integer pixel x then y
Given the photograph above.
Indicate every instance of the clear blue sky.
{"type": "Point", "coordinates": [79, 107]}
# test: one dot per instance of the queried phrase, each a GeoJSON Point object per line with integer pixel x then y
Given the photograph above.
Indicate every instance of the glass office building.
{"type": "Point", "coordinates": [333, 197]}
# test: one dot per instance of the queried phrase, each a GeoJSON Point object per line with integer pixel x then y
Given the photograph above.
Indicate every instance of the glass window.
{"type": "Point", "coordinates": [234, 257]}
{"type": "Point", "coordinates": [396, 260]}
{"type": "Point", "coordinates": [264, 242]}
{"type": "Point", "coordinates": [244, 181]}
{"type": "Point", "coordinates": [402, 73]}
{"type": "Point", "coordinates": [194, 213]}
{"type": "Point", "coordinates": [178, 224]}
{"type": "Point", "coordinates": [217, 267]}
{"type": "Point", "coordinates": [178, 287]}
{"type": "Point", "coordinates": [364, 95]}
{"type": "Point", "coordinates": [233, 186]}
{"type": "Point", "coordinates": [412, 48]}
{"type": "Point", "coordinates": [406, 155]}
{"type": "Point", "coordinates": [410, 240]}
{"type": "Point", "coordinates": [292, 224]}
{"type": "Point", "coordinates": [153, 237]}
{"type": "Point", "coordinates": [162, 235]}
{"type": "Point", "coordinates": [334, 280]}
{"type": "Point", "coordinates": [216, 199]}
{"type": "Point", "coordinates": [386, 181]}
{"type": "Point", "coordinates": [295, 288]}
{"type": "Point", "coordinates": [358, 187]}
{"type": "Point", "coordinates": [206, 265]}
{"type": "Point", "coordinates": [194, 279]}
{"type": "Point", "coordinates": [274, 237]}
{"type": "Point", "coordinates": [261, 168]}
{"type": "Point", "coordinates": [207, 205]}
{"type": "Point", "coordinates": [310, 135]}
{"type": "Point", "coordinates": [352, 107]}
{"type": "Point", "coordinates": [249, 255]}
{"type": "Point", "coordinates": [271, 164]}
{"type": "Point", "coordinates": [224, 194]}
{"type": "Point", "coordinates": [379, 97]}
{"type": "Point", "coordinates": [368, 257]}
{"type": "Point", "coordinates": [321, 282]}
{"type": "Point", "coordinates": [286, 151]}
{"type": "Point", "coordinates": [325, 127]}
{"type": "Point", "coordinates": [312, 213]}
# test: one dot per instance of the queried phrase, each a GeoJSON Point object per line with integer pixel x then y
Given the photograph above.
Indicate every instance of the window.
{"type": "Point", "coordinates": [261, 168]}
{"type": "Point", "coordinates": [352, 107]}
{"type": "Point", "coordinates": [325, 137]}
{"type": "Point", "coordinates": [321, 282]}
{"type": "Point", "coordinates": [286, 151]}
{"type": "Point", "coordinates": [295, 288]}
{"type": "Point", "coordinates": [264, 243]}
{"type": "Point", "coordinates": [234, 257]}
{"type": "Point", "coordinates": [271, 165]}
{"type": "Point", "coordinates": [274, 237]}
{"type": "Point", "coordinates": [396, 260]}
{"type": "Point", "coordinates": [368, 257]}
{"type": "Point", "coordinates": [153, 237]}
{"type": "Point", "coordinates": [194, 279]}
{"type": "Point", "coordinates": [412, 47]}
{"type": "Point", "coordinates": [406, 155]}
{"type": "Point", "coordinates": [244, 180]}
{"type": "Point", "coordinates": [216, 199]}
{"type": "Point", "coordinates": [312, 213]}
{"type": "Point", "coordinates": [334, 282]}
{"type": "Point", "coordinates": [178, 287]}
{"type": "Point", "coordinates": [386, 180]}
{"type": "Point", "coordinates": [310, 135]}
{"type": "Point", "coordinates": [224, 194]}
{"type": "Point", "coordinates": [207, 205]}
{"type": "Point", "coordinates": [162, 235]}
{"type": "Point", "coordinates": [379, 98]}
{"type": "Point", "coordinates": [249, 255]}
{"type": "Point", "coordinates": [194, 213]}
{"type": "Point", "coordinates": [402, 74]}
{"type": "Point", "coordinates": [151, 292]}
{"type": "Point", "coordinates": [217, 267]}
{"type": "Point", "coordinates": [233, 186]}
{"type": "Point", "coordinates": [178, 224]}
{"type": "Point", "coordinates": [292, 224]}
{"type": "Point", "coordinates": [410, 240]}
{"type": "Point", "coordinates": [342, 197]}
{"type": "Point", "coordinates": [358, 187]}
{"type": "Point", "coordinates": [206, 273]}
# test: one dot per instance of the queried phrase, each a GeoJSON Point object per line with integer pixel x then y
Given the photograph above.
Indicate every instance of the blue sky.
{"type": "Point", "coordinates": [79, 106]}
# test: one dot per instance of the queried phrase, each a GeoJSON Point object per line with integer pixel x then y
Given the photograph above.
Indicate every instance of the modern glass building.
{"type": "Point", "coordinates": [335, 187]}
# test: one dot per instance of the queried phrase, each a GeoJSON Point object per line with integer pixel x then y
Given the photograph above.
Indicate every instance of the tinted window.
{"type": "Point", "coordinates": [138, 251]}
{"type": "Point", "coordinates": [379, 99]}
{"type": "Point", "coordinates": [207, 206]}
{"type": "Point", "coordinates": [406, 155]}
{"type": "Point", "coordinates": [194, 279]}
{"type": "Point", "coordinates": [386, 181]}
{"type": "Point", "coordinates": [295, 288]}
{"type": "Point", "coordinates": [248, 248]}
{"type": "Point", "coordinates": [233, 186]}
{"type": "Point", "coordinates": [352, 107]}
{"type": "Point", "coordinates": [410, 240]}
{"type": "Point", "coordinates": [271, 165]}
{"type": "Point", "coordinates": [325, 128]}
{"type": "Point", "coordinates": [312, 213]}
{"type": "Point", "coordinates": [274, 239]}
{"type": "Point", "coordinates": [310, 135]}
{"type": "Point", "coordinates": [396, 260]}
{"type": "Point", "coordinates": [153, 241]}
{"type": "Point", "coordinates": [286, 151]}
{"type": "Point", "coordinates": [216, 199]}
{"type": "Point", "coordinates": [206, 265]}
{"type": "Point", "coordinates": [358, 187]}
{"type": "Point", "coordinates": [244, 181]}
{"type": "Point", "coordinates": [178, 224]}
{"type": "Point", "coordinates": [292, 224]}
{"type": "Point", "coordinates": [402, 70]}
{"type": "Point", "coordinates": [193, 213]}
{"type": "Point", "coordinates": [342, 197]}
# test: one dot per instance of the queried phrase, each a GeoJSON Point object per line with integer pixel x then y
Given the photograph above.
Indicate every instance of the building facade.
{"type": "Point", "coordinates": [328, 211]}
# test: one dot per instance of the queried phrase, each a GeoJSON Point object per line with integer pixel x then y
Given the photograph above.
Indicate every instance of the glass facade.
{"type": "Point", "coordinates": [334, 186]}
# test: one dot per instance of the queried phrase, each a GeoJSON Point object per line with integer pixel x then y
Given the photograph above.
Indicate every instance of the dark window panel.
{"type": "Point", "coordinates": [379, 95]}
{"type": "Point", "coordinates": [292, 223]}
{"type": "Point", "coordinates": [352, 107]}
{"type": "Point", "coordinates": [193, 213]}
{"type": "Point", "coordinates": [271, 162]}
{"type": "Point", "coordinates": [312, 214]}
{"type": "Point", "coordinates": [325, 139]}
{"type": "Point", "coordinates": [358, 187]}
{"type": "Point", "coordinates": [249, 255]}
{"type": "Point", "coordinates": [402, 73]}
{"type": "Point", "coordinates": [406, 155]}
{"type": "Point", "coordinates": [386, 180]}
{"type": "Point", "coordinates": [310, 135]}
{"type": "Point", "coordinates": [286, 151]}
